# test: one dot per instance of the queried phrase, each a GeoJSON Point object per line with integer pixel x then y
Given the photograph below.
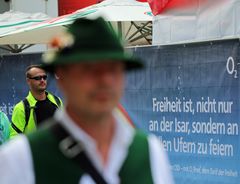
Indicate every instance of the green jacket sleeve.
{"type": "Point", "coordinates": [18, 119]}
{"type": "Point", "coordinates": [4, 128]}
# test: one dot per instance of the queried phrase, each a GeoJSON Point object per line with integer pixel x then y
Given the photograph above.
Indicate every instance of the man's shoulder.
{"type": "Point", "coordinates": [140, 143]}
{"type": "Point", "coordinates": [52, 97]}
{"type": "Point", "coordinates": [143, 138]}
{"type": "Point", "coordinates": [43, 132]}
{"type": "Point", "coordinates": [141, 135]}
{"type": "Point", "coordinates": [19, 105]}
{"type": "Point", "coordinates": [3, 115]}
{"type": "Point", "coordinates": [15, 150]}
{"type": "Point", "coordinates": [17, 144]}
{"type": "Point", "coordinates": [13, 156]}
{"type": "Point", "coordinates": [51, 94]}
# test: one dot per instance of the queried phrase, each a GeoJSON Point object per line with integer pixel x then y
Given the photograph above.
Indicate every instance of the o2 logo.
{"type": "Point", "coordinates": [231, 67]}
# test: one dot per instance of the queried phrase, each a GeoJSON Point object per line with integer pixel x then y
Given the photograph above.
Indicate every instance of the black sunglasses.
{"type": "Point", "coordinates": [38, 78]}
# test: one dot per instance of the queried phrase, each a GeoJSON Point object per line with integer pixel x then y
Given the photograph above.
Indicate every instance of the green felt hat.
{"type": "Point", "coordinates": [88, 41]}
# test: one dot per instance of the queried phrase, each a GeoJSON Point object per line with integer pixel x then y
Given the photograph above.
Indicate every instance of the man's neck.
{"type": "Point", "coordinates": [39, 95]}
{"type": "Point", "coordinates": [101, 129]}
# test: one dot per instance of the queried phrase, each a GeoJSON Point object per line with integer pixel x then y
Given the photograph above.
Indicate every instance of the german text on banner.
{"type": "Point", "coordinates": [189, 96]}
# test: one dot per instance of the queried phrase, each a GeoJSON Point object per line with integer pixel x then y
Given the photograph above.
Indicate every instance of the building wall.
{"type": "Point", "coordinates": [49, 7]}
{"type": "Point", "coordinates": [69, 6]}
{"type": "Point", "coordinates": [203, 20]}
{"type": "Point", "coordinates": [4, 6]}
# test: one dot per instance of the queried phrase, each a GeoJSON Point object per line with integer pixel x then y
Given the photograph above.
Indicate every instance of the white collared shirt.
{"type": "Point", "coordinates": [16, 163]}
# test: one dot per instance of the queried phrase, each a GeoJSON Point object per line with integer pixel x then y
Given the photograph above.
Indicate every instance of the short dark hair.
{"type": "Point", "coordinates": [27, 74]}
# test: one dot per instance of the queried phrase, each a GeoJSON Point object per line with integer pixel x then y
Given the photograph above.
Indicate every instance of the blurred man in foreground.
{"type": "Point", "coordinates": [87, 141]}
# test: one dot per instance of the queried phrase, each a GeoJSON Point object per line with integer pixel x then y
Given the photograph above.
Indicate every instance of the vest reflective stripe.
{"type": "Point", "coordinates": [52, 167]}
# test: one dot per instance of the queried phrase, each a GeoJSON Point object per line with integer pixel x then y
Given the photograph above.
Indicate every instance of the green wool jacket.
{"type": "Point", "coordinates": [51, 166]}
{"type": "Point", "coordinates": [4, 127]}
{"type": "Point", "coordinates": [18, 116]}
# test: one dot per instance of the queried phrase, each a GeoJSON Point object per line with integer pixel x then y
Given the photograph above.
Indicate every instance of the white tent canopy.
{"type": "Point", "coordinates": [200, 21]}
{"type": "Point", "coordinates": [39, 31]}
{"type": "Point", "coordinates": [12, 21]}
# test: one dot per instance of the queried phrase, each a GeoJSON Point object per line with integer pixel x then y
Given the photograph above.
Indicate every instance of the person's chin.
{"type": "Point", "coordinates": [104, 108]}
{"type": "Point", "coordinates": [42, 89]}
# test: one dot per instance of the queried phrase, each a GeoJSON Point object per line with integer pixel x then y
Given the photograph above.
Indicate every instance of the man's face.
{"type": "Point", "coordinates": [92, 88]}
{"type": "Point", "coordinates": [37, 80]}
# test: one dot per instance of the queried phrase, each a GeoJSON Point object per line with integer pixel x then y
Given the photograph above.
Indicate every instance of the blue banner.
{"type": "Point", "coordinates": [189, 97]}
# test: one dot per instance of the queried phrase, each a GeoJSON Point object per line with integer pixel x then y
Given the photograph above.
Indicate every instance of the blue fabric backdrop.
{"type": "Point", "coordinates": [188, 96]}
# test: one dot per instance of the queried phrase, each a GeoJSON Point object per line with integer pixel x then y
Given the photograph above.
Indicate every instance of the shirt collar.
{"type": "Point", "coordinates": [122, 138]}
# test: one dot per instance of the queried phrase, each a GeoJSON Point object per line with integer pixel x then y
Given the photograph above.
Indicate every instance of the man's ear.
{"type": "Point", "coordinates": [28, 81]}
{"type": "Point", "coordinates": [59, 76]}
{"type": "Point", "coordinates": [56, 76]}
